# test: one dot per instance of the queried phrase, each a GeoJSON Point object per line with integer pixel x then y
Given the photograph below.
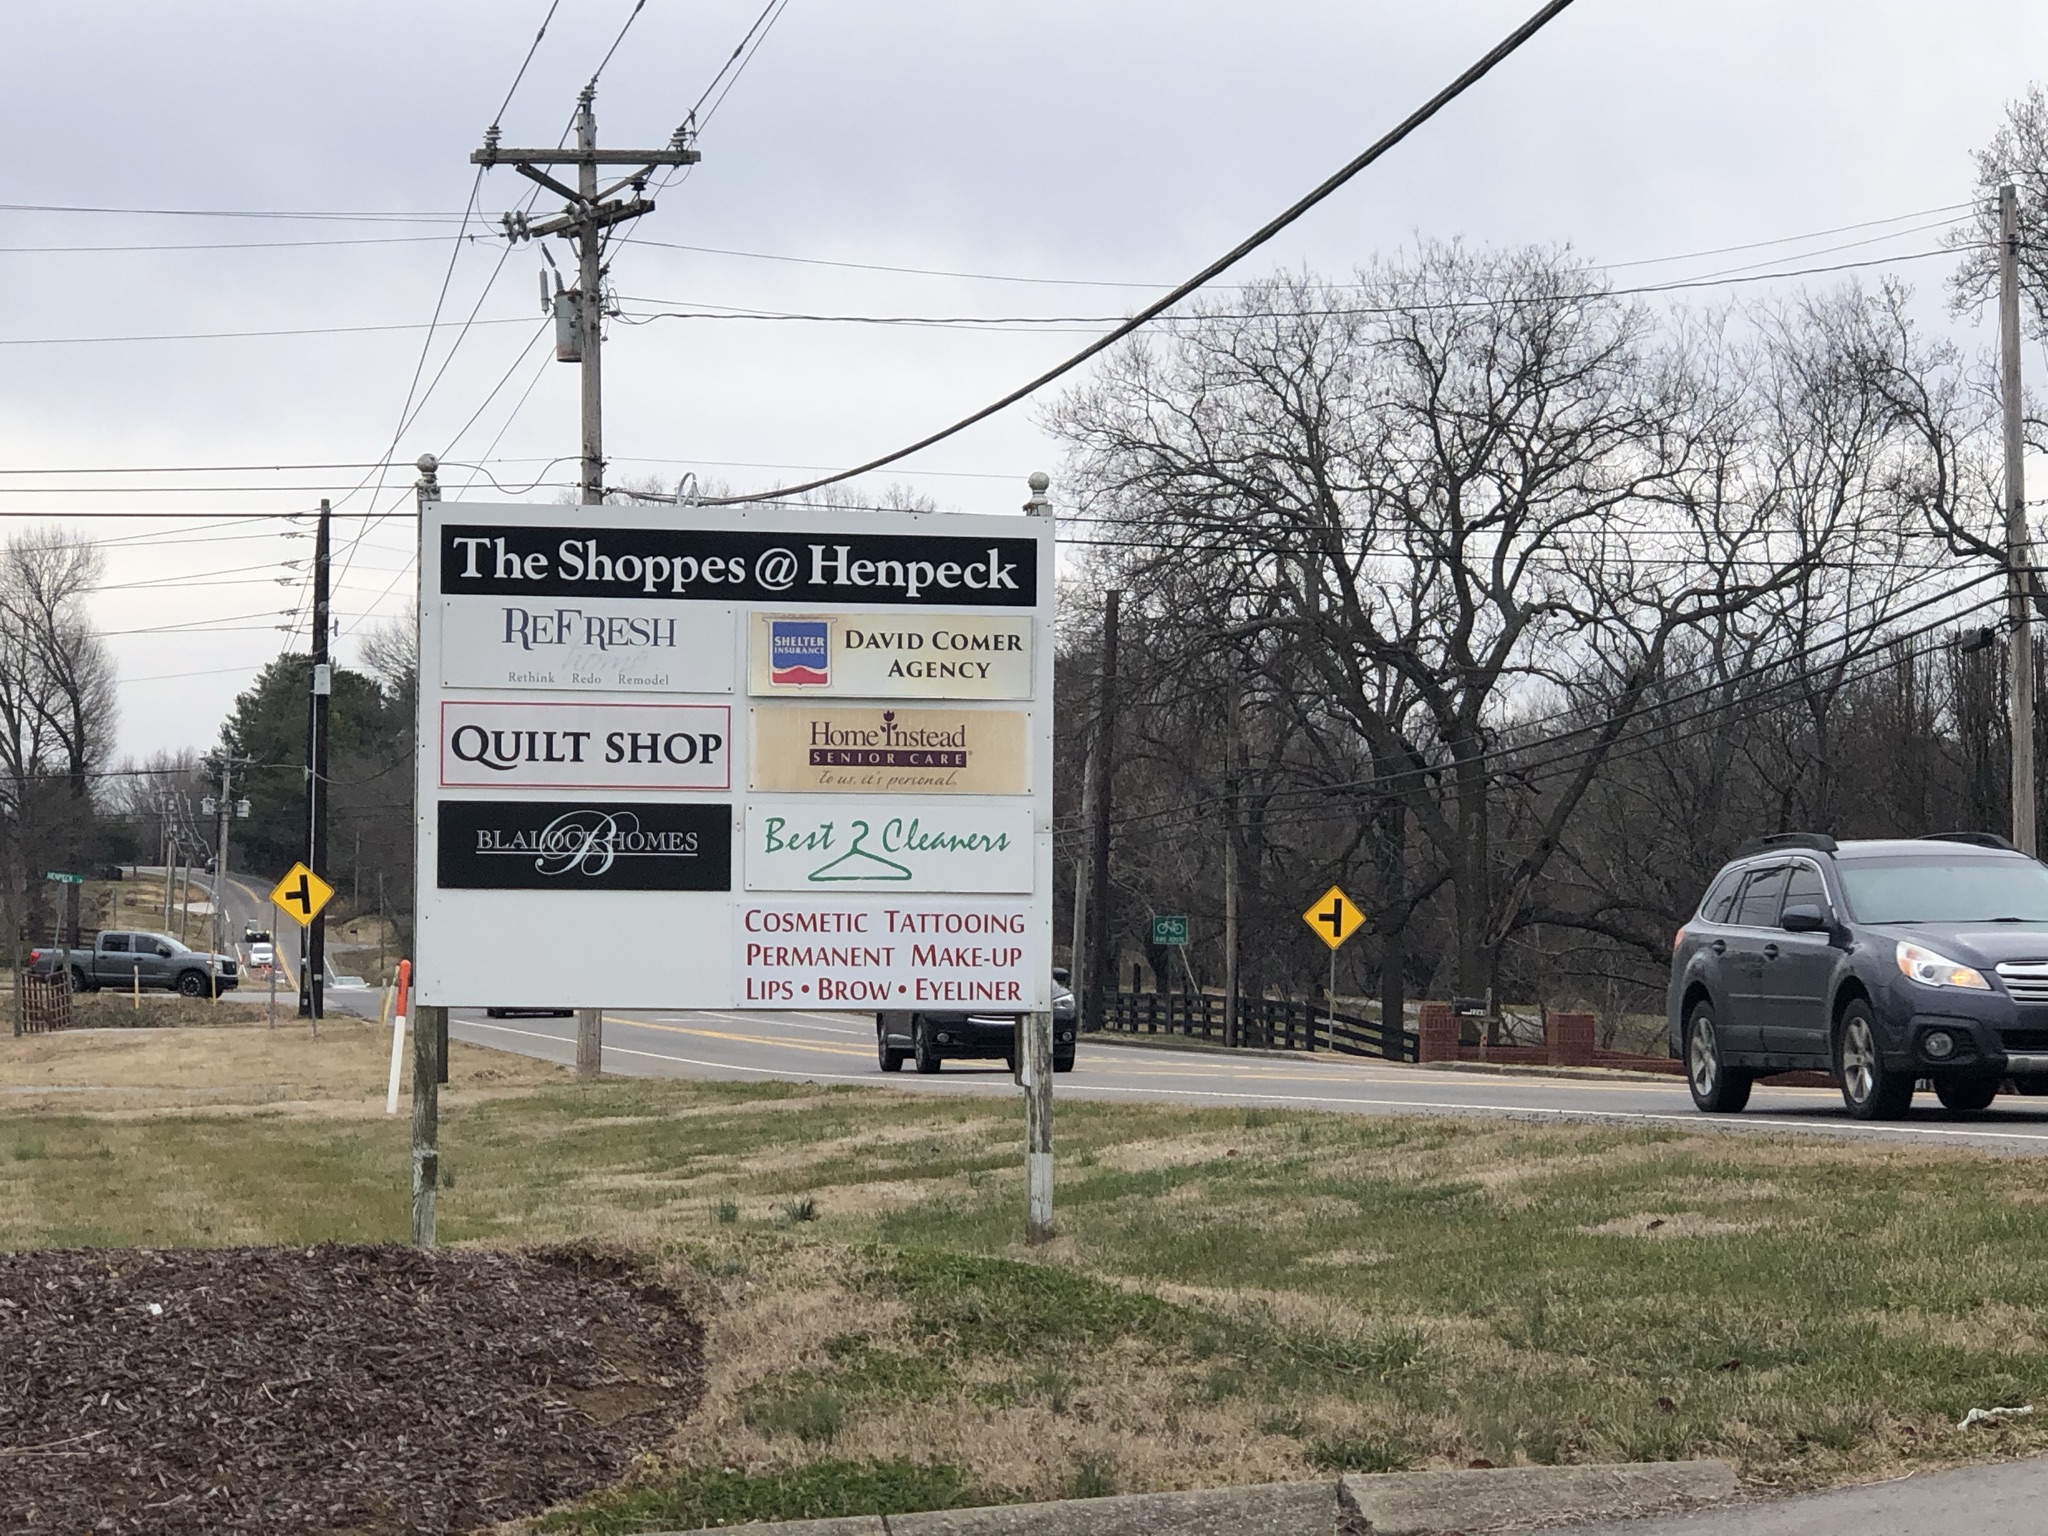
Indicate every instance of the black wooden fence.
{"type": "Point", "coordinates": [1264, 1023]}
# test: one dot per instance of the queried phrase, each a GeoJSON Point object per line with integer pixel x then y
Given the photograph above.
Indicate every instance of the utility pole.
{"type": "Point", "coordinates": [1034, 1051]}
{"type": "Point", "coordinates": [170, 843]}
{"type": "Point", "coordinates": [1101, 963]}
{"type": "Point", "coordinates": [430, 1025]}
{"type": "Point", "coordinates": [1233, 784]}
{"type": "Point", "coordinates": [2016, 553]}
{"type": "Point", "coordinates": [589, 212]}
{"type": "Point", "coordinates": [226, 806]}
{"type": "Point", "coordinates": [313, 974]}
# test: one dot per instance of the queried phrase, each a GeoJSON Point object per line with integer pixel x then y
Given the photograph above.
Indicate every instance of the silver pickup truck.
{"type": "Point", "coordinates": [123, 960]}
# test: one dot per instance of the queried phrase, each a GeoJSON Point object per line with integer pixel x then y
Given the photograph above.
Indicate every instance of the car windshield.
{"type": "Point", "coordinates": [2008, 890]}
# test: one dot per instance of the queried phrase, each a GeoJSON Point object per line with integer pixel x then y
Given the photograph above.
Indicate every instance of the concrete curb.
{"type": "Point", "coordinates": [1271, 1509]}
{"type": "Point", "coordinates": [1507, 1498]}
{"type": "Point", "coordinates": [1382, 1504]}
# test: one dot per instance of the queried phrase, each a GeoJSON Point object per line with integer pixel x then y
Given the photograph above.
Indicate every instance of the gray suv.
{"type": "Point", "coordinates": [1885, 963]}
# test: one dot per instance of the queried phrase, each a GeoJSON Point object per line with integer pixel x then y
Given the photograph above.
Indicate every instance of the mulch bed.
{"type": "Point", "coordinates": [338, 1388]}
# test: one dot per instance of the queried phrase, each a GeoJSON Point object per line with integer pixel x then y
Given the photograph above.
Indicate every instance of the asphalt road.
{"type": "Point", "coordinates": [839, 1048]}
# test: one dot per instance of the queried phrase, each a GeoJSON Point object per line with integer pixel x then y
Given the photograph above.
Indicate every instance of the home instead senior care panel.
{"type": "Point", "coordinates": [883, 749]}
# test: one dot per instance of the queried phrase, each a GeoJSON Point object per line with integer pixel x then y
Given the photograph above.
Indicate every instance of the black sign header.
{"type": "Point", "coordinates": [555, 845]}
{"type": "Point", "coordinates": [715, 565]}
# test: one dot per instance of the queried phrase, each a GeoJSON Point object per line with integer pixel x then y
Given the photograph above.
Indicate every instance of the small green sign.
{"type": "Point", "coordinates": [1169, 931]}
{"type": "Point", "coordinates": [61, 878]}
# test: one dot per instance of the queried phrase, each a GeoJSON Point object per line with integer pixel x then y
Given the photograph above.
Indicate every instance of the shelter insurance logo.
{"type": "Point", "coordinates": [547, 845]}
{"type": "Point", "coordinates": [800, 653]}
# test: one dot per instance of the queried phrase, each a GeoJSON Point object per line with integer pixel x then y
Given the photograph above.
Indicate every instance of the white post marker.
{"type": "Point", "coordinates": [397, 1038]}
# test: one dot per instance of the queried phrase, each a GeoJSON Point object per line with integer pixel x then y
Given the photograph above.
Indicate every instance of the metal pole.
{"type": "Point", "coordinates": [590, 300]}
{"type": "Point", "coordinates": [1101, 963]}
{"type": "Point", "coordinates": [323, 689]}
{"type": "Point", "coordinates": [426, 1124]}
{"type": "Point", "coordinates": [1333, 1005]}
{"type": "Point", "coordinates": [1037, 1079]}
{"type": "Point", "coordinates": [2016, 555]}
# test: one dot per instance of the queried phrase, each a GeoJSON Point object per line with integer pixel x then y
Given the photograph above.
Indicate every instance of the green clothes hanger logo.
{"type": "Point", "coordinates": [858, 864]}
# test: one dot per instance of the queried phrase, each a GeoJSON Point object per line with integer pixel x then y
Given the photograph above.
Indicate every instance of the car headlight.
{"type": "Point", "coordinates": [1932, 970]}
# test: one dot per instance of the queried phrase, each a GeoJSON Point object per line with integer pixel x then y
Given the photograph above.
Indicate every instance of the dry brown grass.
{"type": "Point", "coordinates": [238, 1066]}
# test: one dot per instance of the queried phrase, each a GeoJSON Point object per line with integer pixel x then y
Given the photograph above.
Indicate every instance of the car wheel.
{"type": "Point", "coordinates": [1966, 1095]}
{"type": "Point", "coordinates": [192, 984]}
{"type": "Point", "coordinates": [886, 1056]}
{"type": "Point", "coordinates": [78, 981]}
{"type": "Point", "coordinates": [1062, 1063]}
{"type": "Point", "coordinates": [922, 1048]}
{"type": "Point", "coordinates": [1870, 1090]}
{"type": "Point", "coordinates": [1717, 1088]}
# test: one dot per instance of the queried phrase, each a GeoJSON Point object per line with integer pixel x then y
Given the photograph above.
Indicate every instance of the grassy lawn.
{"type": "Point", "coordinates": [1236, 1295]}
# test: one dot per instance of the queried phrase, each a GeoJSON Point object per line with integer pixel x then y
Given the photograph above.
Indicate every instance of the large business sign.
{"type": "Point", "coordinates": [890, 656]}
{"type": "Point", "coordinates": [759, 757]}
{"type": "Point", "coordinates": [960, 956]}
{"type": "Point", "coordinates": [798, 844]}
{"type": "Point", "coordinates": [850, 749]}
{"type": "Point", "coordinates": [610, 645]}
{"type": "Point", "coordinates": [528, 744]}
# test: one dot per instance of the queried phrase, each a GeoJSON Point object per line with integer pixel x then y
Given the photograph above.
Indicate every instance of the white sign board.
{"type": "Point", "coordinates": [889, 656]}
{"type": "Point", "coordinates": [604, 645]}
{"type": "Point", "coordinates": [795, 843]}
{"type": "Point", "coordinates": [962, 956]}
{"type": "Point", "coordinates": [605, 820]}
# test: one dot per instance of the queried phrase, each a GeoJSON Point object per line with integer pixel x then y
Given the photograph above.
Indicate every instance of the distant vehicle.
{"type": "Point", "coordinates": [262, 950]}
{"type": "Point", "coordinates": [122, 960]}
{"type": "Point", "coordinates": [930, 1038]}
{"type": "Point", "coordinates": [1884, 963]}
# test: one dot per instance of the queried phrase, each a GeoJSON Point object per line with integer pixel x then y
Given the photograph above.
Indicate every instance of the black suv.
{"type": "Point", "coordinates": [1881, 962]}
{"type": "Point", "coordinates": [929, 1038]}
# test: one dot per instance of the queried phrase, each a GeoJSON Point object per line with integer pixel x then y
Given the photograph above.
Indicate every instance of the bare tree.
{"type": "Point", "coordinates": [57, 706]}
{"type": "Point", "coordinates": [1471, 484]}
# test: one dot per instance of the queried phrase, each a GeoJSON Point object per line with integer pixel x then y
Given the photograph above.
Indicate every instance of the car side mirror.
{"type": "Point", "coordinates": [1805, 918]}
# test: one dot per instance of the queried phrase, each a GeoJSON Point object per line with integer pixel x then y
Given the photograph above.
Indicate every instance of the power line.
{"type": "Point", "coordinates": [228, 245]}
{"type": "Point", "coordinates": [631, 16]}
{"type": "Point", "coordinates": [531, 49]}
{"type": "Point", "coordinates": [770, 14]}
{"type": "Point", "coordinates": [1333, 311]}
{"type": "Point", "coordinates": [1223, 263]}
{"type": "Point", "coordinates": [374, 217]}
{"type": "Point", "coordinates": [1871, 633]}
{"type": "Point", "coordinates": [306, 330]}
{"type": "Point", "coordinates": [1093, 282]}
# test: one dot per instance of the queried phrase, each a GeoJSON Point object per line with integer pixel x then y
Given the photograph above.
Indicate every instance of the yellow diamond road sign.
{"type": "Point", "coordinates": [1334, 917]}
{"type": "Point", "coordinates": [301, 894]}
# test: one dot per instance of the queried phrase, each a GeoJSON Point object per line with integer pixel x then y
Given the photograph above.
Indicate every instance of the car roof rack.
{"type": "Point", "coordinates": [1818, 841]}
{"type": "Point", "coordinates": [1974, 839]}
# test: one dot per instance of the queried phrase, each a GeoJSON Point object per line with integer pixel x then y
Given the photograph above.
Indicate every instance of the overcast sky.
{"type": "Point", "coordinates": [1097, 144]}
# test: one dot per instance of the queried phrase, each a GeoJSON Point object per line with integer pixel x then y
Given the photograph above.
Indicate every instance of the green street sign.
{"type": "Point", "coordinates": [61, 878]}
{"type": "Point", "coordinates": [1169, 931]}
